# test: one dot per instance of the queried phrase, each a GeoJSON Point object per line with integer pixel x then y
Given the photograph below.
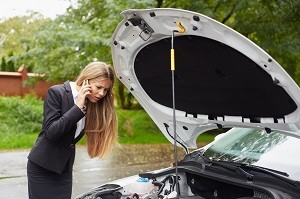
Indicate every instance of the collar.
{"type": "Point", "coordinates": [73, 89]}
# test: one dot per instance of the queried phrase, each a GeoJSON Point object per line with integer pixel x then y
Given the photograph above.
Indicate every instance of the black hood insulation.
{"type": "Point", "coordinates": [211, 78]}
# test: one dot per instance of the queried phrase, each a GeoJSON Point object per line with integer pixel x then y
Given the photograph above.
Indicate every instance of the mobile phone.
{"type": "Point", "coordinates": [85, 82]}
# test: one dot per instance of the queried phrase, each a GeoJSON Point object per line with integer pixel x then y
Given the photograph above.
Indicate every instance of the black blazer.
{"type": "Point", "coordinates": [55, 145]}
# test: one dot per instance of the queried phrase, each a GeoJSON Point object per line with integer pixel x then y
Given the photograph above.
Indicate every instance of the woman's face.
{"type": "Point", "coordinates": [99, 89]}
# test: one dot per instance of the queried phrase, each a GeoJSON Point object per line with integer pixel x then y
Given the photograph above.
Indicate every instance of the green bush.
{"type": "Point", "coordinates": [20, 115]}
{"type": "Point", "coordinates": [136, 126]}
{"type": "Point", "coordinates": [21, 119]}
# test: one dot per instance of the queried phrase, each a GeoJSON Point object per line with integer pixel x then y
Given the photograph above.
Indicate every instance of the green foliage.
{"type": "Point", "coordinates": [20, 115]}
{"type": "Point", "coordinates": [64, 46]}
{"type": "Point", "coordinates": [10, 65]}
{"type": "Point", "coordinates": [17, 141]}
{"type": "Point", "coordinates": [15, 35]}
{"type": "Point", "coordinates": [137, 127]}
{"type": "Point", "coordinates": [63, 50]}
{"type": "Point", "coordinates": [3, 64]}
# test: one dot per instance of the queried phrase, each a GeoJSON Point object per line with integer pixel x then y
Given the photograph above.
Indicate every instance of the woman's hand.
{"type": "Point", "coordinates": [83, 92]}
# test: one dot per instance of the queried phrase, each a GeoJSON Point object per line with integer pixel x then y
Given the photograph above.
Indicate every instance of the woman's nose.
{"type": "Point", "coordinates": [101, 92]}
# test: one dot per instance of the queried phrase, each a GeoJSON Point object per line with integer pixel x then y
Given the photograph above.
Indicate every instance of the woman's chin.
{"type": "Point", "coordinates": [93, 100]}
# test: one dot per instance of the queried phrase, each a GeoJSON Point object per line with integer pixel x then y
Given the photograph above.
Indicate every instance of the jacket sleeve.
{"type": "Point", "coordinates": [58, 121]}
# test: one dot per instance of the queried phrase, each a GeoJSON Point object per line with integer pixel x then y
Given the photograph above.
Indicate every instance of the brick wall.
{"type": "Point", "coordinates": [12, 84]}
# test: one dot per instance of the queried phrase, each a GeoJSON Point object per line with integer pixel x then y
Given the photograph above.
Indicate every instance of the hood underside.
{"type": "Point", "coordinates": [221, 78]}
{"type": "Point", "coordinates": [211, 79]}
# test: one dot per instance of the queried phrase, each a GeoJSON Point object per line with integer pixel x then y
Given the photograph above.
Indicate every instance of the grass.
{"type": "Point", "coordinates": [19, 141]}
{"type": "Point", "coordinates": [21, 120]}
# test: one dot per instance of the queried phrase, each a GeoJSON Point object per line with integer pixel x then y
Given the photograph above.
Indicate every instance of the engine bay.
{"type": "Point", "coordinates": [162, 185]}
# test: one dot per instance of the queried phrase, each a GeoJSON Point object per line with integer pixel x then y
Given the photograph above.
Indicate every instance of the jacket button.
{"type": "Point", "coordinates": [71, 146]}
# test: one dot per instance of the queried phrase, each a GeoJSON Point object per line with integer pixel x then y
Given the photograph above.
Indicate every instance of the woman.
{"type": "Point", "coordinates": [71, 110]}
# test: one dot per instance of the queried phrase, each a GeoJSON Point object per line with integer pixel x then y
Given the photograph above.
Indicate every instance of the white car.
{"type": "Point", "coordinates": [193, 74]}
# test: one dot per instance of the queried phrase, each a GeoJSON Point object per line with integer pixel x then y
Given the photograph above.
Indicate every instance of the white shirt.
{"type": "Point", "coordinates": [80, 123]}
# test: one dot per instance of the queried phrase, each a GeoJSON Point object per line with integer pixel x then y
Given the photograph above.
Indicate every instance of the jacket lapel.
{"type": "Point", "coordinates": [70, 98]}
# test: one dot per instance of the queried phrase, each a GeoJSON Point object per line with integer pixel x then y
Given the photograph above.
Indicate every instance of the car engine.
{"type": "Point", "coordinates": [162, 185]}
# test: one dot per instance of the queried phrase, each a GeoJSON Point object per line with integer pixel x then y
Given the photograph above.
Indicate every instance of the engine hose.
{"type": "Point", "coordinates": [162, 184]}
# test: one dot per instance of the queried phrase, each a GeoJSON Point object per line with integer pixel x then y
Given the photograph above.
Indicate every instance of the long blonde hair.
{"type": "Point", "coordinates": [100, 119]}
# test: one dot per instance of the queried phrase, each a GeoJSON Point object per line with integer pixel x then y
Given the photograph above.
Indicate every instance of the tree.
{"type": "Point", "coordinates": [275, 26]}
{"type": "Point", "coordinates": [16, 33]}
{"type": "Point", "coordinates": [62, 47]}
{"type": "Point", "coordinates": [10, 65]}
{"type": "Point", "coordinates": [3, 64]}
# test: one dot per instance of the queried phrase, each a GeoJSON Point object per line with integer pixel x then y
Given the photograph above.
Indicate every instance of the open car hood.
{"type": "Point", "coordinates": [222, 79]}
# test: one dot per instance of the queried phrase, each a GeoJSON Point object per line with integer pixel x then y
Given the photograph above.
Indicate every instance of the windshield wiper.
{"type": "Point", "coordinates": [231, 167]}
{"type": "Point", "coordinates": [240, 168]}
{"type": "Point", "coordinates": [245, 168]}
{"type": "Point", "coordinates": [205, 161]}
{"type": "Point", "coordinates": [276, 174]}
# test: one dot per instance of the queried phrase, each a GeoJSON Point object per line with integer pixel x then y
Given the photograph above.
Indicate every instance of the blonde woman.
{"type": "Point", "coordinates": [71, 110]}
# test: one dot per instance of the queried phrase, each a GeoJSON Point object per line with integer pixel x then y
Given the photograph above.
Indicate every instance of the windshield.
{"type": "Point", "coordinates": [257, 147]}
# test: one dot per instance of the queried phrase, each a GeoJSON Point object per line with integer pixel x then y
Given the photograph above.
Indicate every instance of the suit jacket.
{"type": "Point", "coordinates": [55, 145]}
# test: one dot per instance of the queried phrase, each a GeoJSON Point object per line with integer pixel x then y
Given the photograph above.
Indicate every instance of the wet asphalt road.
{"type": "Point", "coordinates": [88, 173]}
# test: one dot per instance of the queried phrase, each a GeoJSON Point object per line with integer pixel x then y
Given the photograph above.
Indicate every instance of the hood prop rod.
{"type": "Point", "coordinates": [181, 30]}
